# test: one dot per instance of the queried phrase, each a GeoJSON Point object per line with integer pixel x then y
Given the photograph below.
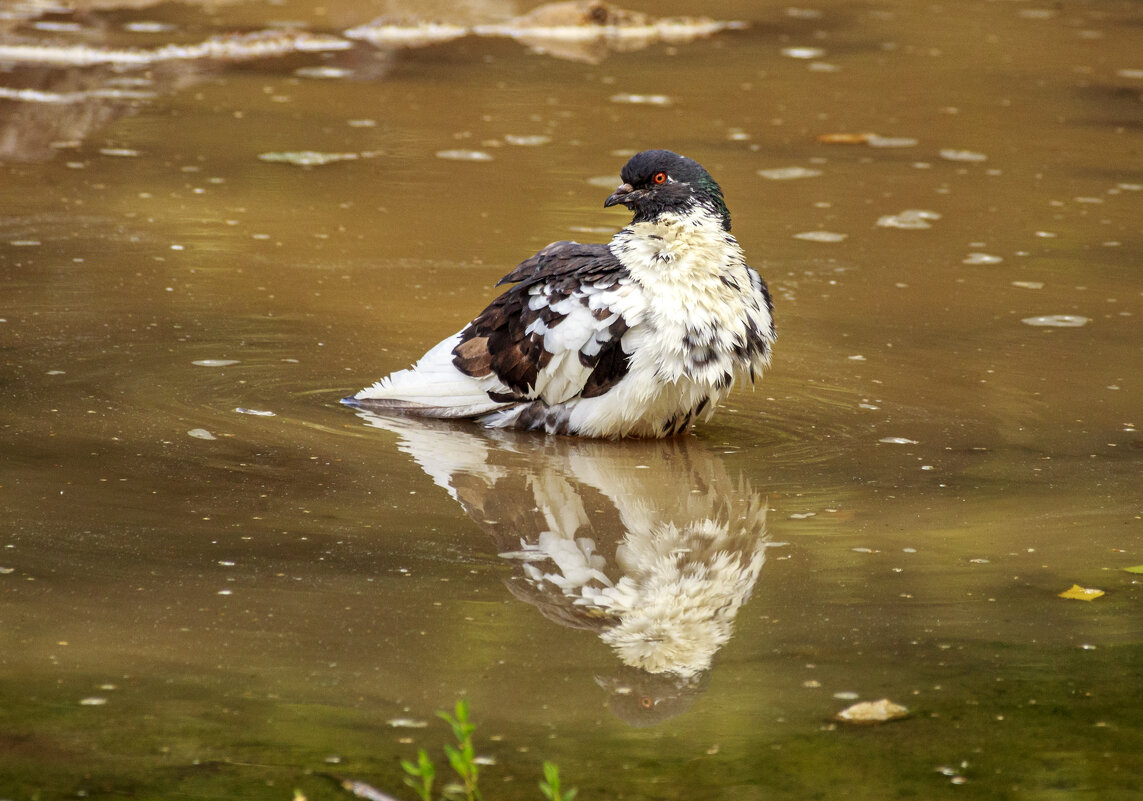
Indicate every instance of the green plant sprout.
{"type": "Point", "coordinates": [550, 784]}
{"type": "Point", "coordinates": [420, 775]}
{"type": "Point", "coordinates": [462, 758]}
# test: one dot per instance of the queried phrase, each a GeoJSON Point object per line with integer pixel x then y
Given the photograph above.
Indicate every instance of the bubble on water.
{"type": "Point", "coordinates": [912, 219]}
{"type": "Point", "coordinates": [898, 441]}
{"type": "Point", "coordinates": [215, 362]}
{"type": "Point", "coordinates": [788, 173]}
{"type": "Point", "coordinates": [803, 52]}
{"type": "Point", "coordinates": [1029, 284]}
{"type": "Point", "coordinates": [464, 155]}
{"type": "Point", "coordinates": [1057, 320]}
{"type": "Point", "coordinates": [200, 433]}
{"type": "Point", "coordinates": [821, 236]}
{"type": "Point", "coordinates": [981, 258]}
{"type": "Point", "coordinates": [407, 723]}
{"type": "Point", "coordinates": [25, 243]}
{"type": "Point", "coordinates": [643, 100]}
{"type": "Point", "coordinates": [122, 152]}
{"type": "Point", "coordinates": [951, 154]}
{"type": "Point", "coordinates": [1130, 73]}
{"type": "Point", "coordinates": [92, 701]}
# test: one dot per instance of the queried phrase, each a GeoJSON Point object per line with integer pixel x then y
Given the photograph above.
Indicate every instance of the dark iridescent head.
{"type": "Point", "coordinates": [658, 181]}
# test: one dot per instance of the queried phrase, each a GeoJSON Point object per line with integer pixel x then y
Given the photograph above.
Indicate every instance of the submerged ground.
{"type": "Point", "coordinates": [217, 583]}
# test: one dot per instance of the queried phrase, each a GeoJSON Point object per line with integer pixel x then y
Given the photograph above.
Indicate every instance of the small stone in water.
{"type": "Point", "coordinates": [873, 712]}
{"type": "Point", "coordinates": [200, 433]}
{"type": "Point", "coordinates": [1057, 321]}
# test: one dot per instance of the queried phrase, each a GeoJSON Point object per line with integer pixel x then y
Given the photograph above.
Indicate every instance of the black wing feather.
{"type": "Point", "coordinates": [498, 341]}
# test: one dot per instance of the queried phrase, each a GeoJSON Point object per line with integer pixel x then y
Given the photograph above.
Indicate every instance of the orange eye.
{"type": "Point", "coordinates": [660, 177]}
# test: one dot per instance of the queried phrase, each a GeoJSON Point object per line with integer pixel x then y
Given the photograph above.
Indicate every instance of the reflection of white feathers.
{"type": "Point", "coordinates": [678, 592]}
{"type": "Point", "coordinates": [649, 544]}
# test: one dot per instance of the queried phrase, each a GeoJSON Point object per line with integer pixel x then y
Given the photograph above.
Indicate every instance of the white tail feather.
{"type": "Point", "coordinates": [433, 387]}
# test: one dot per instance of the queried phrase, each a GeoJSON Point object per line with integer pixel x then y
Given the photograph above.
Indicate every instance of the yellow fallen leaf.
{"type": "Point", "coordinates": [1078, 593]}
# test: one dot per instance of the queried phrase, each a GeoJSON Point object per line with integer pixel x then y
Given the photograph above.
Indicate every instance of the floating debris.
{"type": "Point", "coordinates": [407, 723]}
{"type": "Point", "coordinates": [891, 141]}
{"type": "Point", "coordinates": [821, 236]}
{"type": "Point", "coordinates": [911, 219]}
{"type": "Point", "coordinates": [802, 52]}
{"type": "Point", "coordinates": [308, 158]}
{"type": "Point", "coordinates": [200, 433]}
{"type": "Point", "coordinates": [230, 47]}
{"type": "Point", "coordinates": [873, 712]}
{"type": "Point", "coordinates": [464, 155]}
{"type": "Point", "coordinates": [846, 138]}
{"type": "Point", "coordinates": [789, 173]}
{"type": "Point", "coordinates": [322, 72]}
{"type": "Point", "coordinates": [255, 412]}
{"type": "Point", "coordinates": [582, 20]}
{"type": "Point", "coordinates": [950, 154]}
{"type": "Point", "coordinates": [1057, 320]}
{"type": "Point", "coordinates": [898, 441]}
{"type": "Point", "coordinates": [66, 98]}
{"type": "Point", "coordinates": [1078, 593]}
{"type": "Point", "coordinates": [645, 100]}
{"type": "Point", "coordinates": [398, 32]}
{"type": "Point", "coordinates": [214, 362]}
{"type": "Point", "coordinates": [981, 258]}
{"type": "Point", "coordinates": [527, 141]}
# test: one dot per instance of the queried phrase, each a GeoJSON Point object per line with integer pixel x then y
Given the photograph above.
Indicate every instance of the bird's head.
{"type": "Point", "coordinates": [659, 181]}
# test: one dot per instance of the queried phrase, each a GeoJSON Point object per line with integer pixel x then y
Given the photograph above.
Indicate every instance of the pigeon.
{"type": "Point", "coordinates": [639, 337]}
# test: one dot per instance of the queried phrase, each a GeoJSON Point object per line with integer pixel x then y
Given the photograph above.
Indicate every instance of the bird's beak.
{"type": "Point", "coordinates": [621, 195]}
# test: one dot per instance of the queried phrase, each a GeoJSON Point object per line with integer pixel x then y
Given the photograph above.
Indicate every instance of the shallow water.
{"type": "Point", "coordinates": [216, 582]}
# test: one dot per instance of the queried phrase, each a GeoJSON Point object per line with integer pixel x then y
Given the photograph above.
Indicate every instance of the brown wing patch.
{"type": "Point", "coordinates": [472, 358]}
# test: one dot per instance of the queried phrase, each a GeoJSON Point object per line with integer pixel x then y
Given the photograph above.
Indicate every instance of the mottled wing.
{"type": "Point", "coordinates": [554, 336]}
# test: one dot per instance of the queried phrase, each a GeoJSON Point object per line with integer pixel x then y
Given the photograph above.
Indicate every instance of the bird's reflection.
{"type": "Point", "coordinates": [649, 544]}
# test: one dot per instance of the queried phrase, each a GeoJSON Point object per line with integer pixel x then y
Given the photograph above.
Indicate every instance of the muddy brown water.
{"type": "Point", "coordinates": [216, 582]}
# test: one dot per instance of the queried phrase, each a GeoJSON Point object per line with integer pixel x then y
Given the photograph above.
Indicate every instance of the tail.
{"type": "Point", "coordinates": [432, 387]}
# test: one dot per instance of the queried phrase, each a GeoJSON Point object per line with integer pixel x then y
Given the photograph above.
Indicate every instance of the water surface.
{"type": "Point", "coordinates": [216, 582]}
